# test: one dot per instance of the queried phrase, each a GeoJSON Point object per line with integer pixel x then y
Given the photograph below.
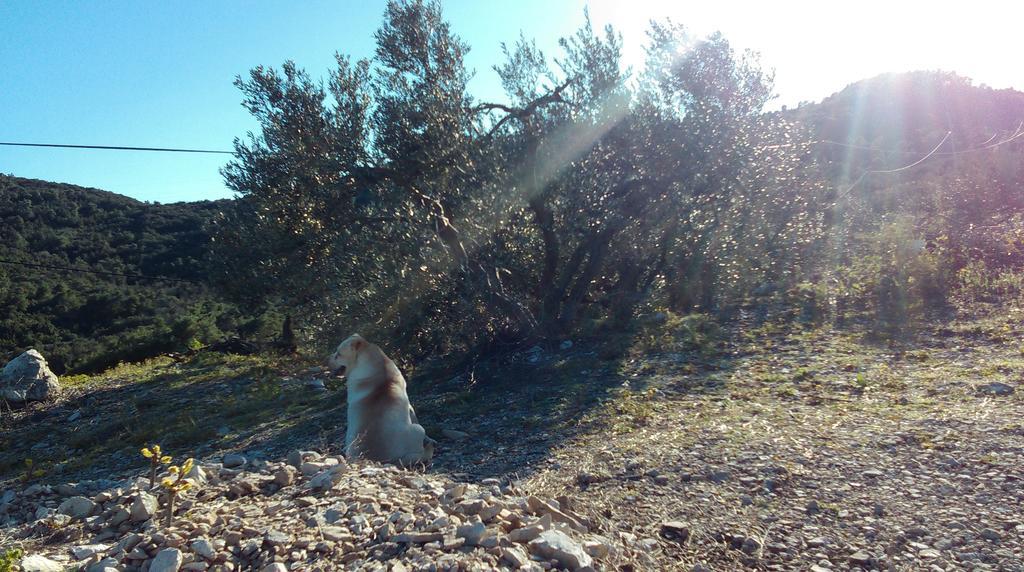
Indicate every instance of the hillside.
{"type": "Point", "coordinates": [87, 322]}
{"type": "Point", "coordinates": [859, 409]}
{"type": "Point", "coordinates": [893, 120]}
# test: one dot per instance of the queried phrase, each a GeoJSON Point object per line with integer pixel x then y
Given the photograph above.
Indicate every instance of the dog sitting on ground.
{"type": "Point", "coordinates": [382, 424]}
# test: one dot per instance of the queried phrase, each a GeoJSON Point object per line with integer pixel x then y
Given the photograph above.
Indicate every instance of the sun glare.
{"type": "Point", "coordinates": [817, 48]}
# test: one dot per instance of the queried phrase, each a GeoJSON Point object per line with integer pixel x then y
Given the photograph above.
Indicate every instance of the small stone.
{"type": "Point", "coordinates": [585, 479]}
{"type": "Point", "coordinates": [718, 477]}
{"type": "Point", "coordinates": [77, 507]}
{"type": "Point", "coordinates": [284, 476]}
{"type": "Point", "coordinates": [234, 460]}
{"type": "Point", "coordinates": [274, 567]}
{"type": "Point", "coordinates": [336, 534]}
{"type": "Point", "coordinates": [107, 564]}
{"type": "Point", "coordinates": [813, 507]}
{"type": "Point", "coordinates": [276, 538]}
{"type": "Point", "coordinates": [83, 551]}
{"type": "Point", "coordinates": [598, 547]}
{"type": "Point", "coordinates": [144, 507]}
{"type": "Point", "coordinates": [861, 558]}
{"type": "Point", "coordinates": [417, 537]}
{"type": "Point", "coordinates": [36, 563]}
{"type": "Point", "coordinates": [818, 542]}
{"type": "Point", "coordinates": [326, 479]}
{"type": "Point", "coordinates": [872, 473]}
{"type": "Point", "coordinates": [556, 545]}
{"type": "Point", "coordinates": [990, 535]}
{"type": "Point", "coordinates": [675, 530]}
{"type": "Point", "coordinates": [167, 560]}
{"type": "Point", "coordinates": [750, 546]}
{"type": "Point", "coordinates": [995, 388]}
{"type": "Point", "coordinates": [454, 435]}
{"type": "Point", "coordinates": [310, 468]}
{"type": "Point", "coordinates": [473, 532]}
{"type": "Point", "coordinates": [929, 553]}
{"type": "Point", "coordinates": [515, 556]}
{"type": "Point", "coordinates": [525, 534]}
{"type": "Point", "coordinates": [202, 547]}
{"type": "Point", "coordinates": [916, 532]}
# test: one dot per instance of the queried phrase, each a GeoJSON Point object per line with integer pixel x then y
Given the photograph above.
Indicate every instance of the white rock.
{"type": "Point", "coordinates": [119, 516]}
{"type": "Point", "coordinates": [144, 507]}
{"type": "Point", "coordinates": [83, 551]}
{"type": "Point", "coordinates": [597, 546]}
{"type": "Point", "coordinates": [310, 468]}
{"type": "Point", "coordinates": [233, 460]}
{"type": "Point", "coordinates": [197, 475]}
{"type": "Point", "coordinates": [28, 378]}
{"type": "Point", "coordinates": [36, 563]}
{"type": "Point", "coordinates": [275, 567]}
{"type": "Point", "coordinates": [167, 560]}
{"type": "Point", "coordinates": [77, 507]}
{"type": "Point", "coordinates": [326, 479]}
{"type": "Point", "coordinates": [473, 532]}
{"type": "Point", "coordinates": [515, 556]}
{"type": "Point", "coordinates": [202, 547]}
{"type": "Point", "coordinates": [556, 545]}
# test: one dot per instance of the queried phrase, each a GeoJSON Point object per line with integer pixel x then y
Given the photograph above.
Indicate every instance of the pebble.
{"type": "Point", "coordinates": [167, 560]}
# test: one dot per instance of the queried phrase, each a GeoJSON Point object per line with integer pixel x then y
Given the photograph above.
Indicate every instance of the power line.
{"type": "Point", "coordinates": [118, 148]}
{"type": "Point", "coordinates": [102, 272]}
{"type": "Point", "coordinates": [904, 168]}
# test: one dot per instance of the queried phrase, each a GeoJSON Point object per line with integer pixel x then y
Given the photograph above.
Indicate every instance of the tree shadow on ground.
{"type": "Point", "coordinates": [516, 409]}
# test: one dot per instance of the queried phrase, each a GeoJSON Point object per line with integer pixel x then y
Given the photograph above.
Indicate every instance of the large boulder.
{"type": "Point", "coordinates": [28, 378]}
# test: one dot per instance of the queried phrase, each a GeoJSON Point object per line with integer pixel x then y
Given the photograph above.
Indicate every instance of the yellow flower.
{"type": "Point", "coordinates": [165, 459]}
{"type": "Point", "coordinates": [186, 485]}
{"type": "Point", "coordinates": [167, 482]}
{"type": "Point", "coordinates": [173, 470]}
{"type": "Point", "coordinates": [186, 467]}
{"type": "Point", "coordinates": [146, 452]}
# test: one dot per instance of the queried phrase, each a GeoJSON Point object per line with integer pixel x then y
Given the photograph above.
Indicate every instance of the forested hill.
{"type": "Point", "coordinates": [83, 321]}
{"type": "Point", "coordinates": [908, 114]}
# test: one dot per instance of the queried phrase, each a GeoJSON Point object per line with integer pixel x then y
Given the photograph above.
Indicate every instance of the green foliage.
{"type": "Point", "coordinates": [88, 322]}
{"type": "Point", "coordinates": [156, 458]}
{"type": "Point", "coordinates": [9, 558]}
{"type": "Point", "coordinates": [175, 485]}
{"type": "Point", "coordinates": [509, 222]}
{"type": "Point", "coordinates": [31, 471]}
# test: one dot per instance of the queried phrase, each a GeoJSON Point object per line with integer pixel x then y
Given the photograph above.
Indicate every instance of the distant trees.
{"type": "Point", "coordinates": [392, 199]}
{"type": "Point", "coordinates": [88, 322]}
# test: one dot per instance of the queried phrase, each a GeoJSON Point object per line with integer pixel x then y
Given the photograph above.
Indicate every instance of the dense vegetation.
{"type": "Point", "coordinates": [390, 201]}
{"type": "Point", "coordinates": [87, 322]}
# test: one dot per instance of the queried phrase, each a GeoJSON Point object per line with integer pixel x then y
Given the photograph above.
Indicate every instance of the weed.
{"type": "Point", "coordinates": [32, 471]}
{"type": "Point", "coordinates": [156, 458]}
{"type": "Point", "coordinates": [9, 558]}
{"type": "Point", "coordinates": [175, 485]}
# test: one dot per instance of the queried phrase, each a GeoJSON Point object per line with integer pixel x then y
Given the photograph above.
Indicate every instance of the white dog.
{"type": "Point", "coordinates": [382, 425]}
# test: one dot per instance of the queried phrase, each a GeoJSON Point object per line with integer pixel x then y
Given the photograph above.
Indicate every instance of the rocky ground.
{"type": "Point", "coordinates": [783, 449]}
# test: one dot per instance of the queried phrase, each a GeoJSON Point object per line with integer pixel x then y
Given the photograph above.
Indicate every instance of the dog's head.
{"type": "Point", "coordinates": [345, 355]}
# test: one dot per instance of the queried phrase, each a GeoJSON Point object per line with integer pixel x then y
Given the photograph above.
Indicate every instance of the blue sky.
{"type": "Point", "coordinates": [160, 73]}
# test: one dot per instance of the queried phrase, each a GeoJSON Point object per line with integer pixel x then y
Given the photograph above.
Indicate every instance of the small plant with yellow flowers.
{"type": "Point", "coordinates": [32, 471]}
{"type": "Point", "coordinates": [156, 458]}
{"type": "Point", "coordinates": [176, 484]}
